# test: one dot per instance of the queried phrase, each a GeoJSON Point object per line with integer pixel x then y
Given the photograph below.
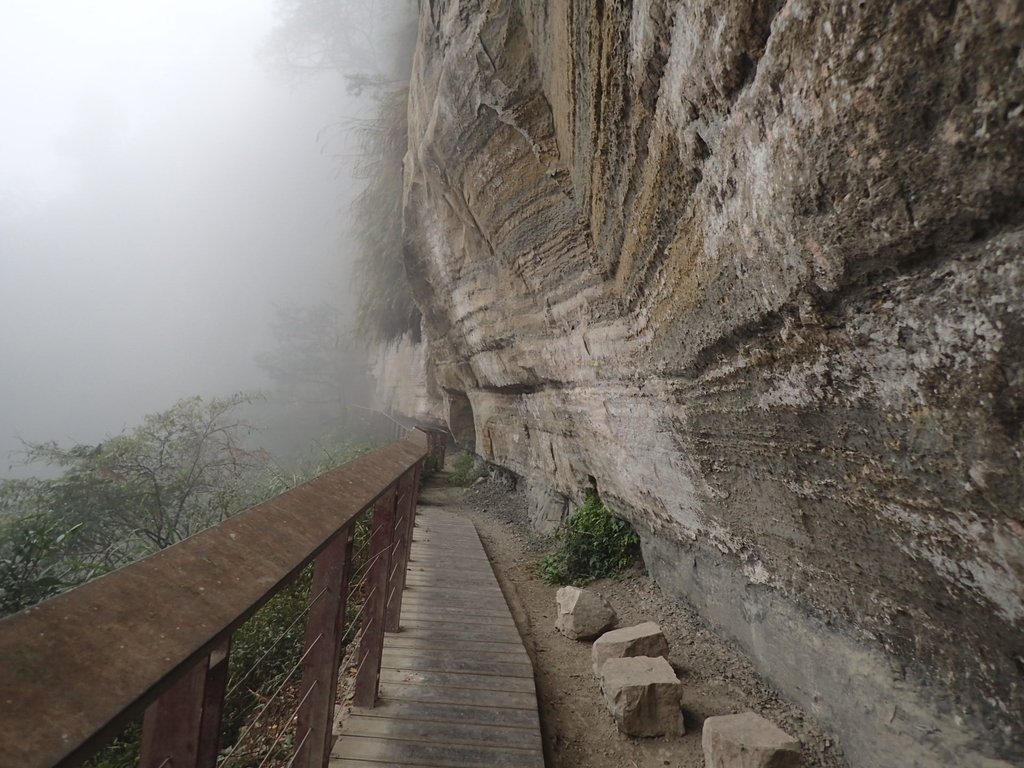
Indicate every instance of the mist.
{"type": "Point", "coordinates": [162, 190]}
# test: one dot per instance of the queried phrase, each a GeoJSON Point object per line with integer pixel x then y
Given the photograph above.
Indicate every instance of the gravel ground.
{"type": "Point", "coordinates": [578, 731]}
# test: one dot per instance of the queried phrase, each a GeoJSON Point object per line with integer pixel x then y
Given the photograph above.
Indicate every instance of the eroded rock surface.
{"type": "Point", "coordinates": [753, 268]}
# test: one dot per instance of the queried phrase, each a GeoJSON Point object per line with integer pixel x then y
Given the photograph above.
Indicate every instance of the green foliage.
{"type": "Point", "coordinates": [385, 309]}
{"type": "Point", "coordinates": [122, 752]}
{"type": "Point", "coordinates": [314, 360]}
{"type": "Point", "coordinates": [592, 544]}
{"type": "Point", "coordinates": [263, 651]}
{"type": "Point", "coordinates": [466, 470]}
{"type": "Point", "coordinates": [34, 562]}
{"type": "Point", "coordinates": [180, 471]}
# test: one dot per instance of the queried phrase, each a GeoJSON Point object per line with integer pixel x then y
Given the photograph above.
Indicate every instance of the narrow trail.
{"type": "Point", "coordinates": [456, 685]}
{"type": "Point", "coordinates": [577, 730]}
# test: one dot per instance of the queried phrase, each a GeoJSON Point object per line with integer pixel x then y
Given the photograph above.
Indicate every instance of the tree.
{"type": "Point", "coordinates": [385, 309]}
{"type": "Point", "coordinates": [34, 561]}
{"type": "Point", "coordinates": [178, 472]}
{"type": "Point", "coordinates": [314, 361]}
{"type": "Point", "coordinates": [345, 36]}
{"type": "Point", "coordinates": [370, 42]}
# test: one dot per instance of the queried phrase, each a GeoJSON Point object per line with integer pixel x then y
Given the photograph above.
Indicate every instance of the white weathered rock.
{"type": "Point", "coordinates": [642, 694]}
{"type": "Point", "coordinates": [645, 639]}
{"type": "Point", "coordinates": [582, 614]}
{"type": "Point", "coordinates": [747, 740]}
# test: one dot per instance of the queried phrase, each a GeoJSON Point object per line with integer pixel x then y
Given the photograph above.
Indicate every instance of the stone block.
{"type": "Point", "coordinates": [644, 639]}
{"type": "Point", "coordinates": [643, 694]}
{"type": "Point", "coordinates": [582, 614]}
{"type": "Point", "coordinates": [748, 740]}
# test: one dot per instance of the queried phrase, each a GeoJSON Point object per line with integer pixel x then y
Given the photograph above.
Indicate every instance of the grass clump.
{"type": "Point", "coordinates": [592, 544]}
{"type": "Point", "coordinates": [466, 470]}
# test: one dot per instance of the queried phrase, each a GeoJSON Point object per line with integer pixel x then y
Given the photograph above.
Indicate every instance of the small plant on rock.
{"type": "Point", "coordinates": [592, 544]}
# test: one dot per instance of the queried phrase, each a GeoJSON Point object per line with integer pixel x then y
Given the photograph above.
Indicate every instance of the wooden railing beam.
{"type": "Point", "coordinates": [150, 637]}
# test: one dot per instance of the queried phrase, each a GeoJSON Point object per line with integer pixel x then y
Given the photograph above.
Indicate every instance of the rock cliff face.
{"type": "Point", "coordinates": [754, 269]}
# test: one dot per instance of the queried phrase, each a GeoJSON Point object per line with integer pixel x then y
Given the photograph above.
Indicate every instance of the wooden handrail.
{"type": "Point", "coordinates": [75, 669]}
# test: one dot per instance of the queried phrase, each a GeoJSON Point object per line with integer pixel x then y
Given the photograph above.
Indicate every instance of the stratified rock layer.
{"type": "Point", "coordinates": [754, 269]}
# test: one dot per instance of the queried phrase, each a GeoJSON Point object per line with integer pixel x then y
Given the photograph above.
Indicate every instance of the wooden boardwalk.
{"type": "Point", "coordinates": [456, 683]}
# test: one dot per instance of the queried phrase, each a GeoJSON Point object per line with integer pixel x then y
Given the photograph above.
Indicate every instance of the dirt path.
{"type": "Point", "coordinates": [578, 731]}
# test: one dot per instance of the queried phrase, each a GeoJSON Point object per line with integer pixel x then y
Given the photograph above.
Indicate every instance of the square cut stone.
{"type": "Point", "coordinates": [644, 639]}
{"type": "Point", "coordinates": [748, 740]}
{"type": "Point", "coordinates": [643, 694]}
{"type": "Point", "coordinates": [582, 613]}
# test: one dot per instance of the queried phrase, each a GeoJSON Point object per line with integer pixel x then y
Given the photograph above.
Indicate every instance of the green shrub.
{"type": "Point", "coordinates": [263, 650]}
{"type": "Point", "coordinates": [121, 752]}
{"type": "Point", "coordinates": [34, 560]}
{"type": "Point", "coordinates": [466, 470]}
{"type": "Point", "coordinates": [592, 544]}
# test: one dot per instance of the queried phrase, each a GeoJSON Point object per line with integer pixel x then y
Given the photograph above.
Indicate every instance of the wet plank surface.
{"type": "Point", "coordinates": [457, 685]}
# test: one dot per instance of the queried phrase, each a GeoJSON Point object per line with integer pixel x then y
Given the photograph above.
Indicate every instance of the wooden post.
{"type": "Point", "coordinates": [181, 727]}
{"type": "Point", "coordinates": [403, 538]}
{"type": "Point", "coordinates": [213, 705]}
{"type": "Point", "coordinates": [371, 646]}
{"type": "Point", "coordinates": [325, 627]}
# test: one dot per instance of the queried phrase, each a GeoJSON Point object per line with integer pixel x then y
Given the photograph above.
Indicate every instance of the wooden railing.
{"type": "Point", "coordinates": [153, 639]}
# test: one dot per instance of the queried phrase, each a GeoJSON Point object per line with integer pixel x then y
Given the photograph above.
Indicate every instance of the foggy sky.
{"type": "Point", "coordinates": [160, 191]}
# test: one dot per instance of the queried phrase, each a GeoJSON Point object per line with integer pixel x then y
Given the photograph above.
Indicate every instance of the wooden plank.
{"type": "Point", "coordinates": [415, 605]}
{"type": "Point", "coordinates": [477, 649]}
{"type": "Point", "coordinates": [402, 644]}
{"type": "Point", "coordinates": [459, 623]}
{"type": "Point", "coordinates": [431, 614]}
{"type": "Point", "coordinates": [420, 598]}
{"type": "Point", "coordinates": [483, 594]}
{"type": "Point", "coordinates": [474, 681]}
{"type": "Point", "coordinates": [424, 551]}
{"type": "Point", "coordinates": [456, 683]}
{"type": "Point", "coordinates": [453, 755]}
{"type": "Point", "coordinates": [478, 698]}
{"type": "Point", "coordinates": [515, 665]}
{"type": "Point", "coordinates": [452, 597]}
{"type": "Point", "coordinates": [454, 576]}
{"type": "Point", "coordinates": [462, 620]}
{"type": "Point", "coordinates": [444, 732]}
{"type": "Point", "coordinates": [422, 579]}
{"type": "Point", "coordinates": [478, 635]}
{"type": "Point", "coordinates": [439, 712]}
